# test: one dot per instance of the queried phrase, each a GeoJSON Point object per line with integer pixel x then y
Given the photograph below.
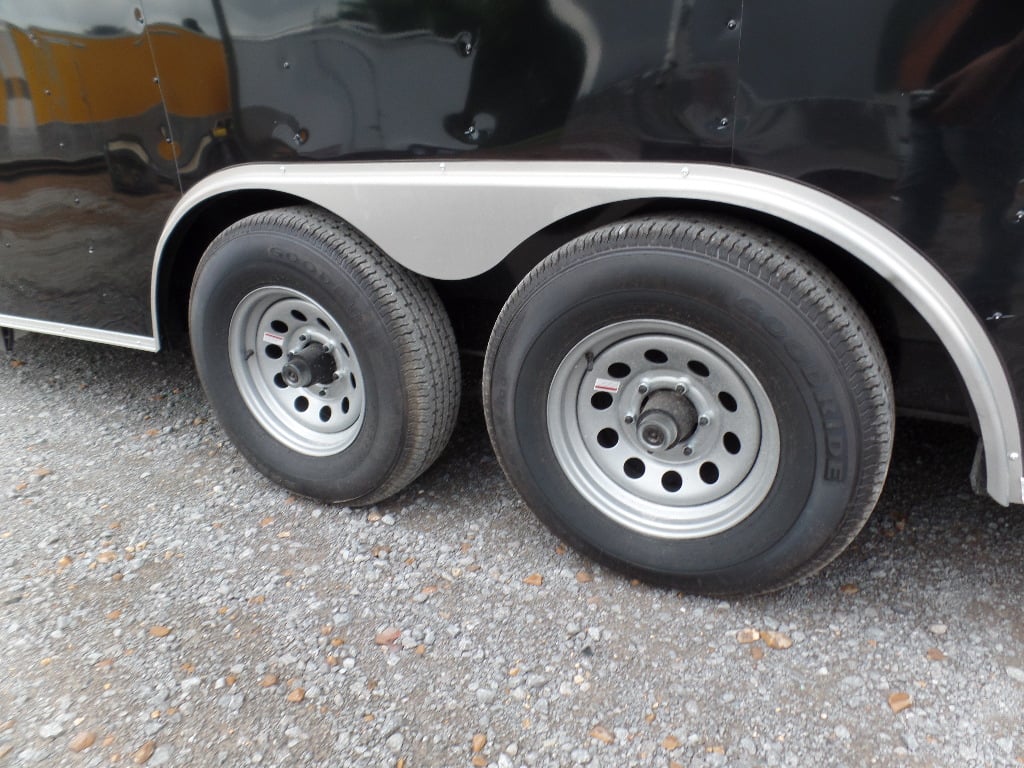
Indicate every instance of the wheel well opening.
{"type": "Point", "coordinates": [186, 245]}
{"type": "Point", "coordinates": [926, 381]}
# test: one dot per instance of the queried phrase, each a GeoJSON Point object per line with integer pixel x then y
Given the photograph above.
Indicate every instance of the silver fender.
{"type": "Point", "coordinates": [454, 220]}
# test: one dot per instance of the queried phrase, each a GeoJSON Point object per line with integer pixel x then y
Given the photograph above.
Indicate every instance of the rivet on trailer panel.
{"type": "Point", "coordinates": [464, 43]}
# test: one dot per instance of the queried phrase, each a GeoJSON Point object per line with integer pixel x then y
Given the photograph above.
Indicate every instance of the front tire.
{"type": "Point", "coordinates": [332, 369]}
{"type": "Point", "coordinates": [693, 401]}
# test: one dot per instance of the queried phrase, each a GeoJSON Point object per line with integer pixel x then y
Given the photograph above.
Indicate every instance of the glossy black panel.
{"type": "Point", "coordinates": [85, 176]}
{"type": "Point", "coordinates": [321, 80]}
{"type": "Point", "coordinates": [666, 94]}
{"type": "Point", "coordinates": [912, 109]}
{"type": "Point", "coordinates": [91, 160]}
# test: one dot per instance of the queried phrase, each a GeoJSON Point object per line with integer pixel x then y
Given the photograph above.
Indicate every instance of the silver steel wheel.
{"type": "Point", "coordinates": [296, 370]}
{"type": "Point", "coordinates": [663, 429]}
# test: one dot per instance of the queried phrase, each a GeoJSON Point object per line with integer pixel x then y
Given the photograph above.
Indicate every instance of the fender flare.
{"type": "Point", "coordinates": [457, 219]}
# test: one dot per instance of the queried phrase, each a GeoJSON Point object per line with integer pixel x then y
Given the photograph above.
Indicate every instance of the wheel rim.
{"type": "Point", "coordinates": [275, 326]}
{"type": "Point", "coordinates": [663, 429]}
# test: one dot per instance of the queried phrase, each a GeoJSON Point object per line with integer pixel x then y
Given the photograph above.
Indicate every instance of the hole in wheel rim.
{"type": "Point", "coordinates": [671, 481]}
{"type": "Point", "coordinates": [699, 368]}
{"type": "Point", "coordinates": [634, 468]}
{"type": "Point", "coordinates": [619, 370]}
{"type": "Point", "coordinates": [608, 438]}
{"type": "Point", "coordinates": [709, 472]}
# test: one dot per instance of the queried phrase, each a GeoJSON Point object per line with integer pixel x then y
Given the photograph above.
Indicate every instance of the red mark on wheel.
{"type": "Point", "coordinates": [606, 385]}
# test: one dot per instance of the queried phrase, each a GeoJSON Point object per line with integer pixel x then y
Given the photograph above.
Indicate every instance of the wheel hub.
{"type": "Point", "coordinates": [313, 364]}
{"type": "Point", "coordinates": [667, 418]}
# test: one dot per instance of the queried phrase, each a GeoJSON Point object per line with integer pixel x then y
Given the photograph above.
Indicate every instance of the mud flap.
{"type": "Point", "coordinates": [979, 475]}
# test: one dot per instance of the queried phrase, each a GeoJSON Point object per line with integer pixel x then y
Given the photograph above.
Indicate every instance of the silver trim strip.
{"type": "Point", "coordinates": [453, 220]}
{"type": "Point", "coordinates": [80, 332]}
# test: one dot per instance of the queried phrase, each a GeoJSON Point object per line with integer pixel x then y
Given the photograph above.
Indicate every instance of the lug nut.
{"type": "Point", "coordinates": [642, 389]}
{"type": "Point", "coordinates": [687, 451]}
{"type": "Point", "coordinates": [629, 418]}
{"type": "Point", "coordinates": [680, 389]}
{"type": "Point", "coordinates": [704, 421]}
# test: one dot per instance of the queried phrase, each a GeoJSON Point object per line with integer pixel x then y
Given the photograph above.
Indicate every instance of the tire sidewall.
{"type": "Point", "coordinates": [247, 258]}
{"type": "Point", "coordinates": [819, 437]}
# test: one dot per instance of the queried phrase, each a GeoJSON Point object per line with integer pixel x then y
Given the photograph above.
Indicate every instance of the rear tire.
{"type": "Point", "coordinates": [332, 369]}
{"type": "Point", "coordinates": [692, 401]}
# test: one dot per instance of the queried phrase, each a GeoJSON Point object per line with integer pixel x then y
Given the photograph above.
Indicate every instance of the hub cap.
{"type": "Point", "coordinates": [296, 370]}
{"type": "Point", "coordinates": [663, 429]}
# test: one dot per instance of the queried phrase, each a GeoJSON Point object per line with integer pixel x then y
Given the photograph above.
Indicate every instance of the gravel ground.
{"type": "Point", "coordinates": [163, 604]}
